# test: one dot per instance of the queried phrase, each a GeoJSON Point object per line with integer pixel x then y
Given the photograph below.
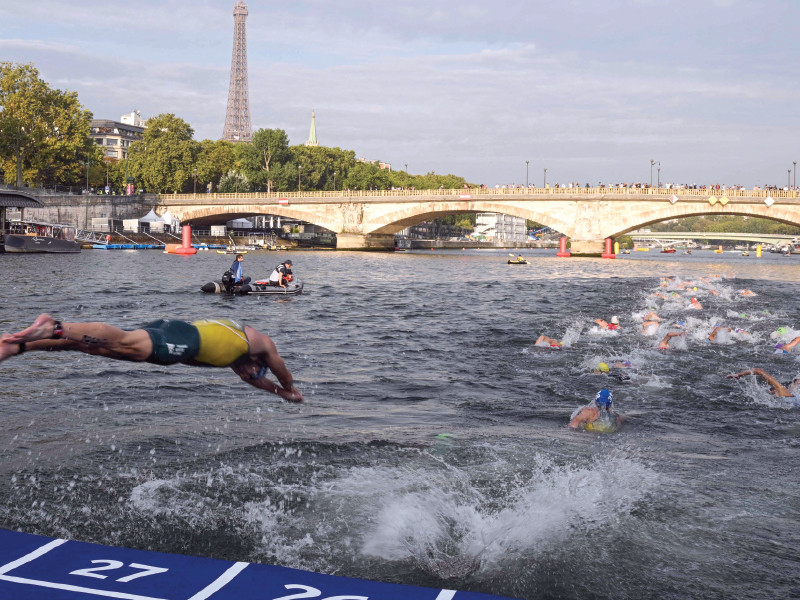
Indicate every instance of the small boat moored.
{"type": "Point", "coordinates": [35, 236]}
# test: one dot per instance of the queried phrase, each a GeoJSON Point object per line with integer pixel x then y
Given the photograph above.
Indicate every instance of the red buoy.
{"type": "Point", "coordinates": [184, 248]}
{"type": "Point", "coordinates": [563, 253]}
{"type": "Point", "coordinates": [609, 253]}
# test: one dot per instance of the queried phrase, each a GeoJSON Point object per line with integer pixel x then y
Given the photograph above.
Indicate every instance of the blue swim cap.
{"type": "Point", "coordinates": [603, 398]}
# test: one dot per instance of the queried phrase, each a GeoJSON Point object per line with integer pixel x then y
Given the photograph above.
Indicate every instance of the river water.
{"type": "Point", "coordinates": [433, 427]}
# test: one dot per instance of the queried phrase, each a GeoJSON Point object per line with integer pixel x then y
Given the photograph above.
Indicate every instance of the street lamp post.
{"type": "Point", "coordinates": [652, 162]}
{"type": "Point", "coordinates": [334, 181]}
{"type": "Point", "coordinates": [194, 174]}
{"type": "Point", "coordinates": [299, 168]}
{"type": "Point", "coordinates": [86, 218]}
{"type": "Point", "coordinates": [527, 164]}
{"type": "Point", "coordinates": [659, 175]}
{"type": "Point", "coordinates": [544, 184]}
{"type": "Point", "coordinates": [794, 183]}
{"type": "Point", "coordinates": [788, 178]}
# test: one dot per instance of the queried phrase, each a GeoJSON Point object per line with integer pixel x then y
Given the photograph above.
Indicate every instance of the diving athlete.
{"type": "Point", "coordinates": [206, 343]}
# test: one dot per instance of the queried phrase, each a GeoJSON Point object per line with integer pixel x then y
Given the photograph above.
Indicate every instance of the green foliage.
{"type": "Point", "coordinates": [163, 161]}
{"type": "Point", "coordinates": [726, 224]}
{"type": "Point", "coordinates": [214, 159]}
{"type": "Point", "coordinates": [235, 182]}
{"type": "Point", "coordinates": [272, 146]}
{"type": "Point", "coordinates": [44, 133]}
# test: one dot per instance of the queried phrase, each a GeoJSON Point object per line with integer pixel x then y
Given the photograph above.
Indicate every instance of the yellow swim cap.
{"type": "Point", "coordinates": [603, 368]}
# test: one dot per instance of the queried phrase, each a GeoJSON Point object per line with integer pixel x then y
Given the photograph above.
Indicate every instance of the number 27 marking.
{"type": "Point", "coordinates": [115, 564]}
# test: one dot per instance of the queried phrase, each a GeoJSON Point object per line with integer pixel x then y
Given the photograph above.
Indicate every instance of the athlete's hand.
{"type": "Point", "coordinates": [291, 395]}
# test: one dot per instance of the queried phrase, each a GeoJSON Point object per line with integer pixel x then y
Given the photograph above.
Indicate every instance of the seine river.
{"type": "Point", "coordinates": [698, 496]}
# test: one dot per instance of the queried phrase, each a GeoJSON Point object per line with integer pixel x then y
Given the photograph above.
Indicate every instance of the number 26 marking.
{"type": "Point", "coordinates": [115, 564]}
{"type": "Point", "coordinates": [311, 592]}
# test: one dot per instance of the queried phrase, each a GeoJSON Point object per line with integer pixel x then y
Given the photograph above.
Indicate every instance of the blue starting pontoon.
{"type": "Point", "coordinates": [40, 568]}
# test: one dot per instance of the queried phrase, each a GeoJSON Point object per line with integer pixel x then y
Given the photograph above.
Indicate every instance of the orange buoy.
{"type": "Point", "coordinates": [184, 248]}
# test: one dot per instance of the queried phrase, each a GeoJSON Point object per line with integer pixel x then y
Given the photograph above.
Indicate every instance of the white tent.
{"type": "Point", "coordinates": [170, 220]}
{"type": "Point", "coordinates": [150, 217]}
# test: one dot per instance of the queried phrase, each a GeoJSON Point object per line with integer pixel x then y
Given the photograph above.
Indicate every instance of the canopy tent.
{"type": "Point", "coordinates": [170, 220]}
{"type": "Point", "coordinates": [150, 217]}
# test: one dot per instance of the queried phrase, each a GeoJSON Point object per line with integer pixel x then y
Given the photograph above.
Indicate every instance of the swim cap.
{"type": "Point", "coordinates": [615, 320]}
{"type": "Point", "coordinates": [603, 398]}
{"type": "Point", "coordinates": [781, 330]}
{"type": "Point", "coordinates": [778, 346]}
{"type": "Point", "coordinates": [603, 368]}
{"type": "Point", "coordinates": [627, 363]}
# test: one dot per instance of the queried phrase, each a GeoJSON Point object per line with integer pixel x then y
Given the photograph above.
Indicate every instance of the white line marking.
{"type": "Point", "coordinates": [29, 557]}
{"type": "Point", "coordinates": [75, 588]}
{"type": "Point", "coordinates": [220, 582]}
{"type": "Point", "coordinates": [446, 595]}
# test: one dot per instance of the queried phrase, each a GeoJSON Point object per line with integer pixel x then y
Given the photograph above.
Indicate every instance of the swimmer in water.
{"type": "Point", "coordinates": [207, 343]}
{"type": "Point", "coordinates": [784, 391]}
{"type": "Point", "coordinates": [612, 326]}
{"type": "Point", "coordinates": [747, 292]}
{"type": "Point", "coordinates": [787, 347]}
{"type": "Point", "coordinates": [545, 342]}
{"type": "Point", "coordinates": [695, 304]}
{"type": "Point", "coordinates": [664, 344]}
{"type": "Point", "coordinates": [603, 369]}
{"type": "Point", "coordinates": [650, 323]}
{"type": "Point", "coordinates": [598, 416]}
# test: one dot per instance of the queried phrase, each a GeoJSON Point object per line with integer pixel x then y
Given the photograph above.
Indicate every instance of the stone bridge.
{"type": "Point", "coordinates": [370, 219]}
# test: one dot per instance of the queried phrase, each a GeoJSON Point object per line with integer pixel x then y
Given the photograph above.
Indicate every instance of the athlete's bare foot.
{"type": "Point", "coordinates": [7, 347]}
{"type": "Point", "coordinates": [42, 329]}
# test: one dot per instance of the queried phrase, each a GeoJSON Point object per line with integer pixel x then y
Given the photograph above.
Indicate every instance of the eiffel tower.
{"type": "Point", "coordinates": [237, 117]}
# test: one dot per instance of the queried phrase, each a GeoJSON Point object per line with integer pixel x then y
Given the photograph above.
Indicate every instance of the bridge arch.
{"type": "Point", "coordinates": [396, 220]}
{"type": "Point", "coordinates": [645, 218]}
{"type": "Point", "coordinates": [202, 216]}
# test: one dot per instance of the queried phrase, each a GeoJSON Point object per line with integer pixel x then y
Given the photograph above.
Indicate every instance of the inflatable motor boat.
{"type": "Point", "coordinates": [253, 288]}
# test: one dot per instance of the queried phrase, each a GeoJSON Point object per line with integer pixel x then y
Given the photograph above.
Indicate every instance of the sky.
{"type": "Point", "coordinates": [493, 91]}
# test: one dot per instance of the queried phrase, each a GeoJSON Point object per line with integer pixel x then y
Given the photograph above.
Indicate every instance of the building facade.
{"type": "Point", "coordinates": [115, 137]}
{"type": "Point", "coordinates": [501, 228]}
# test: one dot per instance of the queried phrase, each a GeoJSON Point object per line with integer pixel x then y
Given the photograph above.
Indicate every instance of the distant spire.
{"type": "Point", "coordinates": [312, 135]}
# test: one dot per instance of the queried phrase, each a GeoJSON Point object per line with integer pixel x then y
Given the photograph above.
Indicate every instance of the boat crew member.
{"type": "Point", "coordinates": [282, 274]}
{"type": "Point", "coordinates": [597, 416]}
{"type": "Point", "coordinates": [206, 343]}
{"type": "Point", "coordinates": [236, 269]}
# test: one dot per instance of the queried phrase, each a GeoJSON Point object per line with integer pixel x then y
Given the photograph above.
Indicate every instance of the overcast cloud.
{"type": "Point", "coordinates": [590, 89]}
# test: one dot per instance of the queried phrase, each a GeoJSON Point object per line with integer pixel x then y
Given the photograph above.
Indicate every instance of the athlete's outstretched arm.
{"type": "Point", "coordinates": [778, 388]}
{"type": "Point", "coordinates": [263, 352]}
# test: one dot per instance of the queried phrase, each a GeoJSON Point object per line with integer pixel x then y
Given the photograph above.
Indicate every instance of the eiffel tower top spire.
{"type": "Point", "coordinates": [312, 135]}
{"type": "Point", "coordinates": [237, 117]}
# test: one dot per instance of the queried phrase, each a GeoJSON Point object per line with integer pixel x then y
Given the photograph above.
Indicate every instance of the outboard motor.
{"type": "Point", "coordinates": [227, 281]}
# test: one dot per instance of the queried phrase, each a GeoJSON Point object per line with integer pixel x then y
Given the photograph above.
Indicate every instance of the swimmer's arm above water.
{"type": "Point", "coordinates": [777, 388]}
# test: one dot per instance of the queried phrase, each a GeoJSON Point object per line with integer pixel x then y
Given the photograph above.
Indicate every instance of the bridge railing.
{"type": "Point", "coordinates": [481, 192]}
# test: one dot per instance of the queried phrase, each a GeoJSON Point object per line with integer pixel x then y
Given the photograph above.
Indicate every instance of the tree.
{"type": "Point", "coordinates": [272, 146]}
{"type": "Point", "coordinates": [44, 133]}
{"type": "Point", "coordinates": [164, 159]}
{"type": "Point", "coordinates": [214, 159]}
{"type": "Point", "coordinates": [234, 182]}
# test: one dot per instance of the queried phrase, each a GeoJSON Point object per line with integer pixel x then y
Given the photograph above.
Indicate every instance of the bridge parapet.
{"type": "Point", "coordinates": [605, 193]}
